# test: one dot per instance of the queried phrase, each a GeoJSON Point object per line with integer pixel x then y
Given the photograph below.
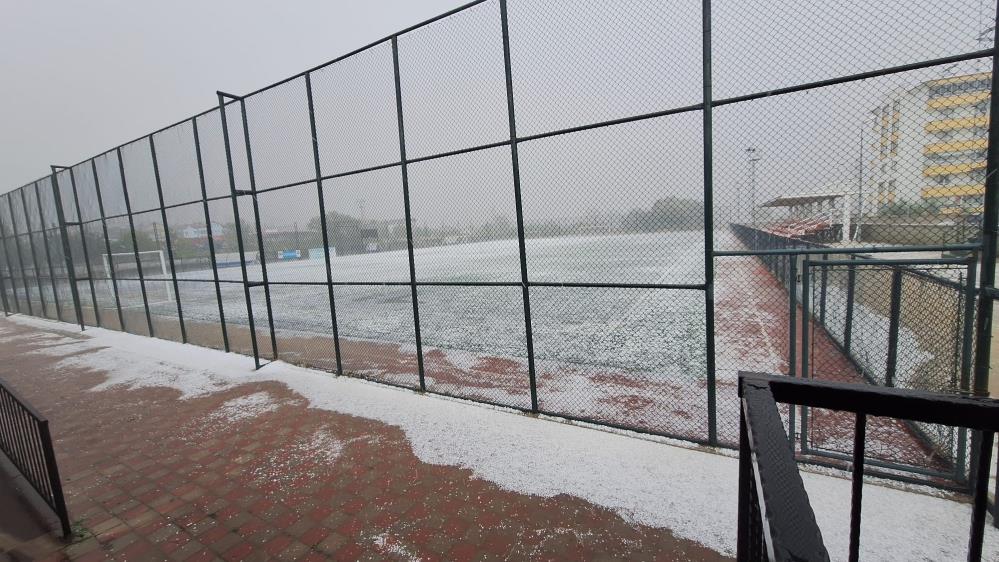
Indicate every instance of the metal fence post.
{"type": "Point", "coordinates": [409, 218]}
{"type": "Point", "coordinates": [851, 284]}
{"type": "Point", "coordinates": [48, 255]}
{"type": "Point", "coordinates": [709, 240]}
{"type": "Point", "coordinates": [822, 296]}
{"type": "Point", "coordinates": [210, 233]}
{"type": "Point", "coordinates": [135, 243]}
{"type": "Point", "coordinates": [83, 243]}
{"type": "Point", "coordinates": [20, 255]}
{"type": "Point", "coordinates": [990, 221]}
{"type": "Point", "coordinates": [792, 354]}
{"type": "Point", "coordinates": [322, 221]}
{"type": "Point", "coordinates": [169, 244]}
{"type": "Point", "coordinates": [3, 282]}
{"type": "Point", "coordinates": [8, 257]}
{"type": "Point", "coordinates": [968, 326]}
{"type": "Point", "coordinates": [67, 253]}
{"type": "Point", "coordinates": [261, 253]}
{"type": "Point", "coordinates": [239, 227]}
{"type": "Point", "coordinates": [518, 202]}
{"type": "Point", "coordinates": [107, 247]}
{"type": "Point", "coordinates": [34, 252]}
{"type": "Point", "coordinates": [805, 323]}
{"type": "Point", "coordinates": [894, 321]}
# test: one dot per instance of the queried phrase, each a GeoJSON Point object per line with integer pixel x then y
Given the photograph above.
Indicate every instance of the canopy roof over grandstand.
{"type": "Point", "coordinates": [796, 200]}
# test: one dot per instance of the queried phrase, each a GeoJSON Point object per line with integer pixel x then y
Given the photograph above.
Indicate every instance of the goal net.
{"type": "Point", "coordinates": [154, 271]}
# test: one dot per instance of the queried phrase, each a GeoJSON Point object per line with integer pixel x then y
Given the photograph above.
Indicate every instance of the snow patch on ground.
{"type": "Point", "coordinates": [244, 408]}
{"type": "Point", "coordinates": [691, 492]}
{"type": "Point", "coordinates": [388, 545]}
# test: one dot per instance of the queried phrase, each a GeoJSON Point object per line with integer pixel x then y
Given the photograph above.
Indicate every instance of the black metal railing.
{"type": "Point", "coordinates": [855, 302]}
{"type": "Point", "coordinates": [776, 521]}
{"type": "Point", "coordinates": [449, 131]}
{"type": "Point", "coordinates": [25, 440]}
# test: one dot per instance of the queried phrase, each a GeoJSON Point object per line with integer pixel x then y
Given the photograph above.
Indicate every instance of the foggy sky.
{"type": "Point", "coordinates": [88, 77]}
{"type": "Point", "coordinates": [81, 77]}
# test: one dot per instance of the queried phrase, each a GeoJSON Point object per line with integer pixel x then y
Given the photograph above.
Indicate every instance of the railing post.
{"type": "Point", "coordinates": [519, 204]}
{"type": "Point", "coordinates": [54, 480]}
{"type": "Point", "coordinates": [261, 251]}
{"type": "Point", "coordinates": [210, 233]}
{"type": "Point", "coordinates": [322, 221]}
{"type": "Point", "coordinates": [894, 321]}
{"type": "Point", "coordinates": [67, 253]}
{"type": "Point", "coordinates": [709, 235]}
{"type": "Point", "coordinates": [745, 474]}
{"type": "Point", "coordinates": [857, 488]}
{"type": "Point", "coordinates": [48, 255]}
{"type": "Point", "coordinates": [83, 243]}
{"type": "Point", "coordinates": [981, 496]}
{"type": "Point", "coordinates": [239, 227]}
{"type": "Point", "coordinates": [135, 243]}
{"type": "Point", "coordinates": [107, 247]}
{"type": "Point", "coordinates": [169, 243]}
{"type": "Point", "coordinates": [409, 219]}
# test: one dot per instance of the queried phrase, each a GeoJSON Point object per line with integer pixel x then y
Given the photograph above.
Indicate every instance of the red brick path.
{"type": "Point", "coordinates": [152, 477]}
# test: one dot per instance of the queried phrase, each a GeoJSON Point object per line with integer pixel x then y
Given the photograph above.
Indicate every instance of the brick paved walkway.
{"type": "Point", "coordinates": [152, 477]}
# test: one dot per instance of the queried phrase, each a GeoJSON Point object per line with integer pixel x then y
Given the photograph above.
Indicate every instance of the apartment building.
{"type": "Point", "coordinates": [929, 146]}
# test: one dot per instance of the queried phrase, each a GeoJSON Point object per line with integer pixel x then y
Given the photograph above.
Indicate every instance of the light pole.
{"type": "Point", "coordinates": [753, 159]}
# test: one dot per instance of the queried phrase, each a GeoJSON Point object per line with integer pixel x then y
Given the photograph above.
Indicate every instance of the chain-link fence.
{"type": "Point", "coordinates": [599, 211]}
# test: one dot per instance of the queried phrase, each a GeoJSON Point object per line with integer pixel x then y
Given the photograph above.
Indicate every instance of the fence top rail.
{"type": "Point", "coordinates": [804, 248]}
{"type": "Point", "coordinates": [888, 70]}
{"type": "Point", "coordinates": [24, 404]}
{"type": "Point", "coordinates": [972, 412]}
{"type": "Point", "coordinates": [890, 262]}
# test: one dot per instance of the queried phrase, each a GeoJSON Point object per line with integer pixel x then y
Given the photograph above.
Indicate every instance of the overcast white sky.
{"type": "Point", "coordinates": [81, 77]}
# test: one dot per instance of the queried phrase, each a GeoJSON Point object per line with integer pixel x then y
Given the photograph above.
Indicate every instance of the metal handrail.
{"type": "Point", "coordinates": [776, 521]}
{"type": "Point", "coordinates": [26, 441]}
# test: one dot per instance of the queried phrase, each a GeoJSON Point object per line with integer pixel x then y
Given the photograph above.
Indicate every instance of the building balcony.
{"type": "Point", "coordinates": [956, 146]}
{"type": "Point", "coordinates": [951, 191]}
{"type": "Point", "coordinates": [957, 100]}
{"type": "Point", "coordinates": [947, 169]}
{"type": "Point", "coordinates": [941, 125]}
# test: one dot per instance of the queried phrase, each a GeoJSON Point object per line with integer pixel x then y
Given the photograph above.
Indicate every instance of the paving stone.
{"type": "Point", "coordinates": [153, 479]}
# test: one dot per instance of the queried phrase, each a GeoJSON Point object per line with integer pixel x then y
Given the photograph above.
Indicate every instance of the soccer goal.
{"type": "Point", "coordinates": [155, 273]}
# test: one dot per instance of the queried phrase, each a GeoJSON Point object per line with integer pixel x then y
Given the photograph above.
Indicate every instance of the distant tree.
{"type": "Point", "coordinates": [668, 213]}
{"type": "Point", "coordinates": [908, 208]}
{"type": "Point", "coordinates": [143, 240]}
